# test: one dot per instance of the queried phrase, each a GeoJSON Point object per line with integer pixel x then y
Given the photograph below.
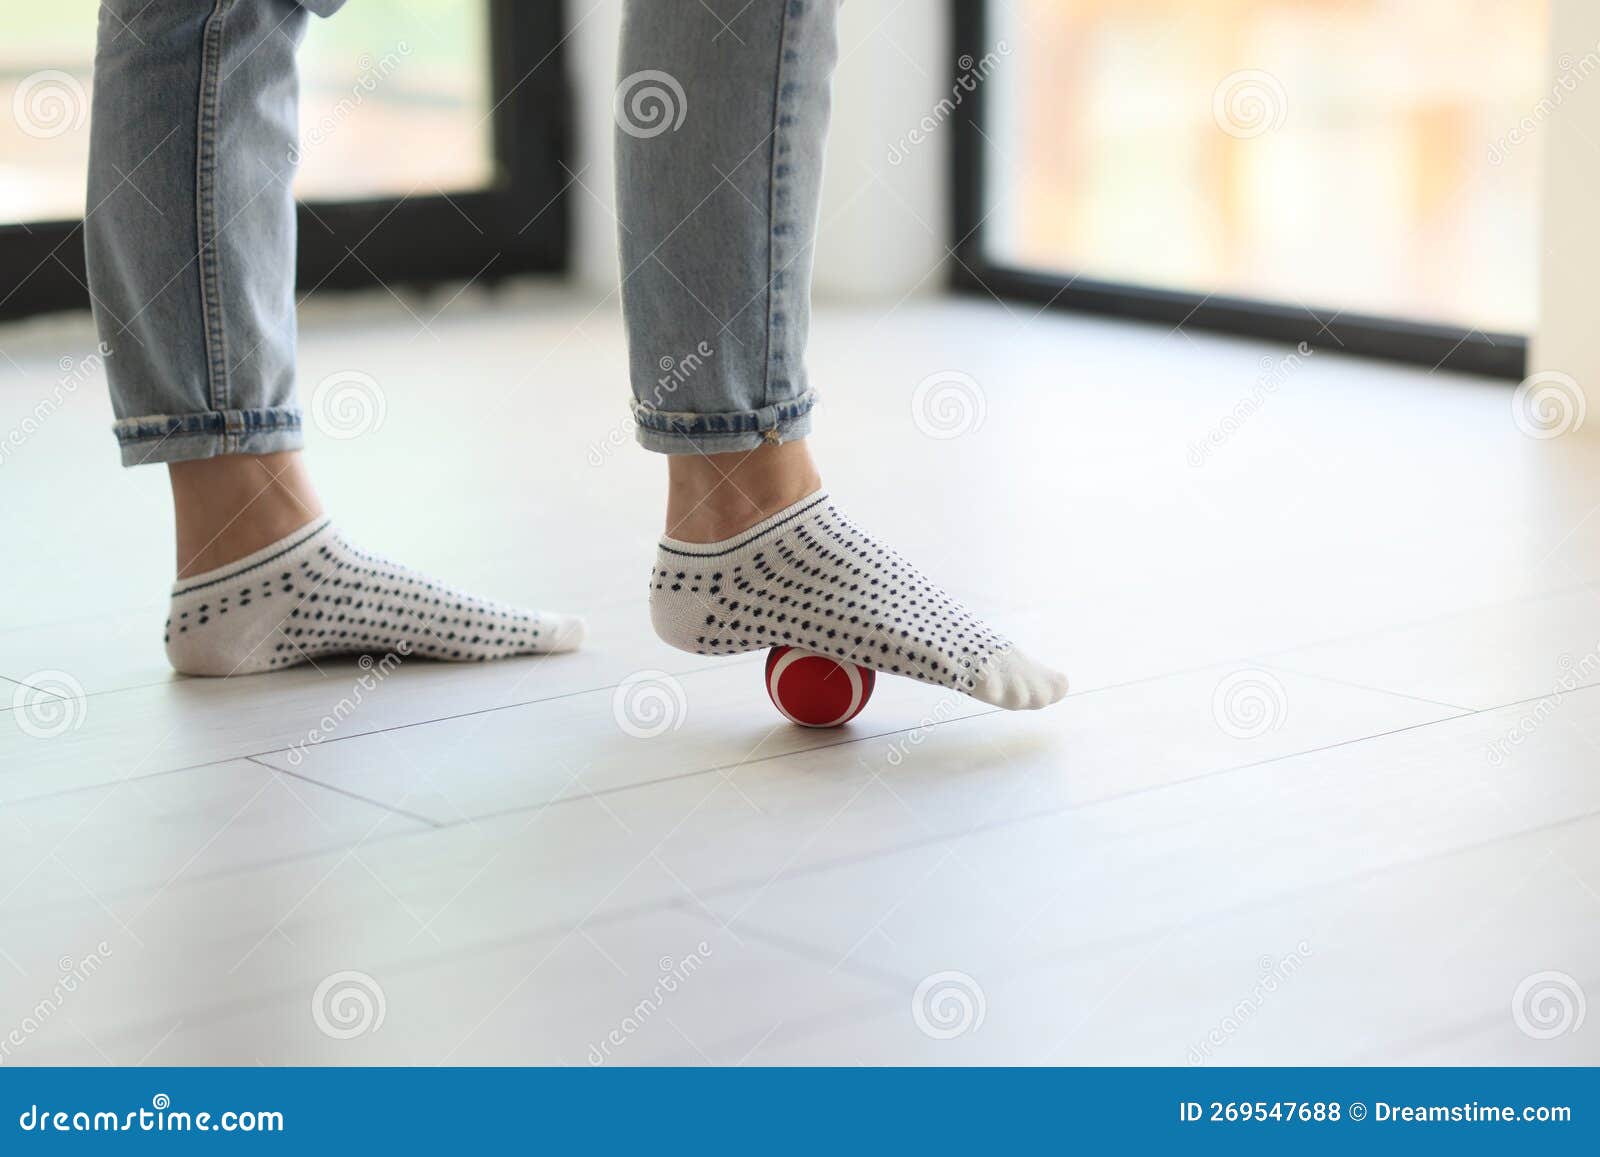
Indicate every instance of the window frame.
{"type": "Point", "coordinates": [973, 271]}
{"type": "Point", "coordinates": [517, 224]}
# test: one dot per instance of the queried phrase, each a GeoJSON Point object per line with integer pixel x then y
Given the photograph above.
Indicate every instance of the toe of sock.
{"type": "Point", "coordinates": [561, 632]}
{"type": "Point", "coordinates": [1018, 683]}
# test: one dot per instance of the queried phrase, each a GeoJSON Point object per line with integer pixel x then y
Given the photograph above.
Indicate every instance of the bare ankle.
{"type": "Point", "coordinates": [711, 497]}
{"type": "Point", "coordinates": [228, 507]}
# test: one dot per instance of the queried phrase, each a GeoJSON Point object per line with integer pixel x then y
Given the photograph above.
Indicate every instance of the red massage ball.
{"type": "Point", "coordinates": [814, 690]}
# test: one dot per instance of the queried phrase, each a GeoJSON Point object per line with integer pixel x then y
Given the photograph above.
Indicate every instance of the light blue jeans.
{"type": "Point", "coordinates": [721, 108]}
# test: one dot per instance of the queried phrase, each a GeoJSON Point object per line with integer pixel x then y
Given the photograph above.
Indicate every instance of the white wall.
{"type": "Point", "coordinates": [1568, 337]}
{"type": "Point", "coordinates": [884, 226]}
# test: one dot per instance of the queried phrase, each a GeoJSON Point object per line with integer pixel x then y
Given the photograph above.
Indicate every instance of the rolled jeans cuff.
{"type": "Point", "coordinates": [182, 437]}
{"type": "Point", "coordinates": [669, 432]}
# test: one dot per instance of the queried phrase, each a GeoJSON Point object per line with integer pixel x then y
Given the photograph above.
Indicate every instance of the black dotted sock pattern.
{"type": "Point", "coordinates": [333, 598]}
{"type": "Point", "coordinates": [821, 583]}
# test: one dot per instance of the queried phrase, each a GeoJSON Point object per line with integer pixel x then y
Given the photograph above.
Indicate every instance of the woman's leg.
{"type": "Point", "coordinates": [722, 113]}
{"type": "Point", "coordinates": [189, 213]}
{"type": "Point", "coordinates": [190, 237]}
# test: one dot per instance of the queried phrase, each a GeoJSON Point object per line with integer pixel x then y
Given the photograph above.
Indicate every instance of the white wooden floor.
{"type": "Point", "coordinates": [1396, 858]}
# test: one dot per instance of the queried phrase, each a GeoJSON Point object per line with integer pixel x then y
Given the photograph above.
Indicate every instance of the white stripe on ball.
{"type": "Point", "coordinates": [794, 653]}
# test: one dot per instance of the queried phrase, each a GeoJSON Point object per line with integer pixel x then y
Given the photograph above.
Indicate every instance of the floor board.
{"type": "Point", "coordinates": [1334, 723]}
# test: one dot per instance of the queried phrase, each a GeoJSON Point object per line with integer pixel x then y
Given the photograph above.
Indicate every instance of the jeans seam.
{"type": "Point", "coordinates": [210, 266]}
{"type": "Point", "coordinates": [718, 442]}
{"type": "Point", "coordinates": [725, 421]}
{"type": "Point", "coordinates": [774, 199]}
{"type": "Point", "coordinates": [251, 421]}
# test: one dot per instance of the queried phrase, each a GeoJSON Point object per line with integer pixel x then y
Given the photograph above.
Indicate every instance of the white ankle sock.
{"type": "Point", "coordinates": [313, 594]}
{"type": "Point", "coordinates": [808, 577]}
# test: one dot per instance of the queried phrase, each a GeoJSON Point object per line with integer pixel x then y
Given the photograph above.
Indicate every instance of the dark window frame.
{"type": "Point", "coordinates": [1435, 345]}
{"type": "Point", "coordinates": [517, 224]}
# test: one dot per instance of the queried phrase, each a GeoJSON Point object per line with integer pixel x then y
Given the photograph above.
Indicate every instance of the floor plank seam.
{"type": "Point", "coordinates": [472, 714]}
{"type": "Point", "coordinates": [854, 858]}
{"type": "Point", "coordinates": [893, 982]}
{"type": "Point", "coordinates": [1365, 686]}
{"type": "Point", "coordinates": [646, 908]}
{"type": "Point", "coordinates": [259, 755]}
{"type": "Point", "coordinates": [1413, 624]}
{"type": "Point", "coordinates": [390, 808]}
{"type": "Point", "coordinates": [436, 826]}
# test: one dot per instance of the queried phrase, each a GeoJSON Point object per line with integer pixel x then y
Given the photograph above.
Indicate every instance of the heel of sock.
{"type": "Point", "coordinates": [682, 593]}
{"type": "Point", "coordinates": [666, 616]}
{"type": "Point", "coordinates": [213, 655]}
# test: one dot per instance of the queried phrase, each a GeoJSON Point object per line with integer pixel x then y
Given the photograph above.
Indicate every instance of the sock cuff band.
{"type": "Point", "coordinates": [744, 537]}
{"type": "Point", "coordinates": [249, 562]}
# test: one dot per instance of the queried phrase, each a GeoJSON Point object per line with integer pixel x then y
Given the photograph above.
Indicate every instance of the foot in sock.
{"type": "Point", "coordinates": [313, 594]}
{"type": "Point", "coordinates": [810, 578]}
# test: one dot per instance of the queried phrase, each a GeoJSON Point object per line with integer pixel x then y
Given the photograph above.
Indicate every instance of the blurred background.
{"type": "Point", "coordinates": [1378, 160]}
{"type": "Point", "coordinates": [424, 124]}
{"type": "Point", "coordinates": [1351, 171]}
{"type": "Point", "coordinates": [1206, 346]}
